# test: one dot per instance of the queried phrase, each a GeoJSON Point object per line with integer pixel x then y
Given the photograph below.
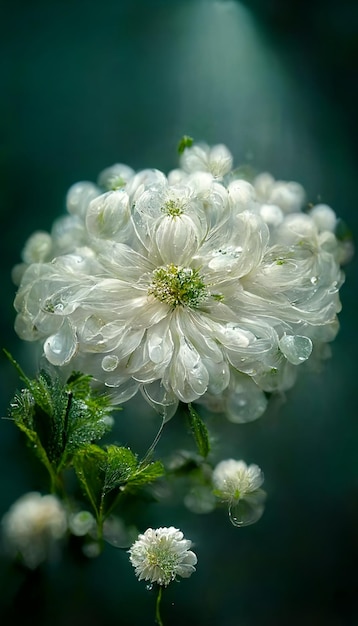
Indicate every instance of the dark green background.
{"type": "Point", "coordinates": [86, 84]}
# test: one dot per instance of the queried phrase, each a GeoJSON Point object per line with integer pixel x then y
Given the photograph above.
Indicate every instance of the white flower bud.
{"type": "Point", "coordinates": [324, 217]}
{"type": "Point", "coordinates": [33, 526]}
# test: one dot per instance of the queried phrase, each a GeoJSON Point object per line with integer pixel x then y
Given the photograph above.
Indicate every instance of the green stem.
{"type": "Point", "coordinates": [158, 618]}
{"type": "Point", "coordinates": [152, 446]}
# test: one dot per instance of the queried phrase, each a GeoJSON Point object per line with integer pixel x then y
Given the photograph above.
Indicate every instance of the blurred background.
{"type": "Point", "coordinates": [88, 84]}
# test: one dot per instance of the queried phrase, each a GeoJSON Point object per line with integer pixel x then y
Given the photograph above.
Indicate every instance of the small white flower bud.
{"type": "Point", "coordinates": [324, 217]}
{"type": "Point", "coordinates": [32, 527]}
{"type": "Point", "coordinates": [37, 248]}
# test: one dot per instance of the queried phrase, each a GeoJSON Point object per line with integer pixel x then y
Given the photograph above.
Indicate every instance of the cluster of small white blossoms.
{"type": "Point", "coordinates": [160, 555]}
{"type": "Point", "coordinates": [196, 286]}
{"type": "Point", "coordinates": [33, 527]}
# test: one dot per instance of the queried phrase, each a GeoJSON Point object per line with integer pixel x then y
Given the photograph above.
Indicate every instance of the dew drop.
{"type": "Point", "coordinates": [149, 587]}
{"type": "Point", "coordinates": [314, 280]}
{"type": "Point", "coordinates": [296, 348]}
{"type": "Point", "coordinates": [244, 512]}
{"type": "Point", "coordinates": [110, 362]}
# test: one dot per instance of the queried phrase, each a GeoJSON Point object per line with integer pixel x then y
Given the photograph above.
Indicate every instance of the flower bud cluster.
{"type": "Point", "coordinates": [192, 286]}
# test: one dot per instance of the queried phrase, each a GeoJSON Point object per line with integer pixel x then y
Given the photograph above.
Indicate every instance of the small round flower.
{"type": "Point", "coordinates": [33, 526]}
{"type": "Point", "coordinates": [160, 555]}
{"type": "Point", "coordinates": [234, 480]}
{"type": "Point", "coordinates": [238, 485]}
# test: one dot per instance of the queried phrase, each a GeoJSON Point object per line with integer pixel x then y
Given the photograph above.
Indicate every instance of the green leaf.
{"type": "Point", "coordinates": [184, 143]}
{"type": "Point", "coordinates": [104, 474]}
{"type": "Point", "coordinates": [146, 474]}
{"type": "Point", "coordinates": [199, 431]}
{"type": "Point", "coordinates": [88, 463]}
{"type": "Point", "coordinates": [19, 370]}
{"type": "Point", "coordinates": [120, 465]}
{"type": "Point", "coordinates": [59, 418]}
{"type": "Point", "coordinates": [22, 412]}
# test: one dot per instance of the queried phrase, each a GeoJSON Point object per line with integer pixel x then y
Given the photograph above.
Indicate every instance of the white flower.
{"type": "Point", "coordinates": [216, 159]}
{"type": "Point", "coordinates": [239, 486]}
{"type": "Point", "coordinates": [187, 288]}
{"type": "Point", "coordinates": [234, 480]}
{"type": "Point", "coordinates": [289, 196]}
{"type": "Point", "coordinates": [160, 555]}
{"type": "Point", "coordinates": [33, 527]}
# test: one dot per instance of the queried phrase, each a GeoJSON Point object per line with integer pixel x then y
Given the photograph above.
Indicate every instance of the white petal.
{"type": "Point", "coordinates": [189, 377]}
{"type": "Point", "coordinates": [115, 176]}
{"type": "Point", "coordinates": [79, 196]}
{"type": "Point", "coordinates": [124, 262]}
{"type": "Point", "coordinates": [108, 215]}
{"type": "Point", "coordinates": [177, 239]}
{"type": "Point", "coordinates": [61, 347]}
{"type": "Point", "coordinates": [246, 402]}
{"type": "Point", "coordinates": [241, 195]}
{"type": "Point", "coordinates": [160, 343]}
{"type": "Point", "coordinates": [219, 376]}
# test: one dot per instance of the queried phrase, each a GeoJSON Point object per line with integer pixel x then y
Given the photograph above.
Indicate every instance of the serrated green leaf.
{"type": "Point", "coordinates": [88, 463]}
{"type": "Point", "coordinates": [147, 474]}
{"type": "Point", "coordinates": [65, 417]}
{"type": "Point", "coordinates": [80, 384]}
{"type": "Point", "coordinates": [199, 431]}
{"type": "Point", "coordinates": [121, 463]}
{"type": "Point", "coordinates": [104, 474]}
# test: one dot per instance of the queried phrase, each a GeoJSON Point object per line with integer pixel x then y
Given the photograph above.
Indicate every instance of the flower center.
{"type": "Point", "coordinates": [173, 208]}
{"type": "Point", "coordinates": [161, 557]}
{"type": "Point", "coordinates": [177, 285]}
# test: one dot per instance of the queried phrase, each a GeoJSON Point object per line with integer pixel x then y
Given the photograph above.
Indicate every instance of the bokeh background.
{"type": "Point", "coordinates": [87, 84]}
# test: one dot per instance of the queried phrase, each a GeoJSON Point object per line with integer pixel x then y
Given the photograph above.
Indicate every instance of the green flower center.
{"type": "Point", "coordinates": [177, 285]}
{"type": "Point", "coordinates": [173, 208]}
{"type": "Point", "coordinates": [161, 557]}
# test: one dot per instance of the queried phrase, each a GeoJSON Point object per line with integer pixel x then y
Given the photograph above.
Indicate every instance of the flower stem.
{"type": "Point", "coordinates": [158, 618]}
{"type": "Point", "coordinates": [152, 446]}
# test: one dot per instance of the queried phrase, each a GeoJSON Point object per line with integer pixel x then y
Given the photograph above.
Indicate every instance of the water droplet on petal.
{"type": "Point", "coordinates": [149, 587]}
{"type": "Point", "coordinates": [296, 348]}
{"type": "Point", "coordinates": [245, 512]}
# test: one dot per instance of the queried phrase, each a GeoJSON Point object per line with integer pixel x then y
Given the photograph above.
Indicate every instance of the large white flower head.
{"type": "Point", "coordinates": [196, 286]}
{"type": "Point", "coordinates": [33, 526]}
{"type": "Point", "coordinates": [160, 555]}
